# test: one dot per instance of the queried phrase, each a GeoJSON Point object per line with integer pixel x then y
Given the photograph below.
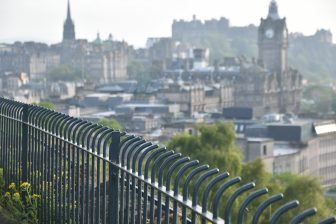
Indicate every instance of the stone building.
{"type": "Point", "coordinates": [270, 85]}
{"type": "Point", "coordinates": [267, 84]}
{"type": "Point", "coordinates": [35, 59]}
{"type": "Point", "coordinates": [296, 146]}
{"type": "Point", "coordinates": [104, 61]}
{"type": "Point", "coordinates": [198, 97]}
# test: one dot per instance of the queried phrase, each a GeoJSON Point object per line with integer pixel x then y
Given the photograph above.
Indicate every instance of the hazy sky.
{"type": "Point", "coordinates": [135, 20]}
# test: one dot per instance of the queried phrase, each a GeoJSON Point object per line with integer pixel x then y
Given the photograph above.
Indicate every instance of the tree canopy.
{"type": "Point", "coordinates": [319, 99]}
{"type": "Point", "coordinates": [214, 144]}
{"type": "Point", "coordinates": [66, 73]}
{"type": "Point", "coordinates": [46, 104]}
{"type": "Point", "coordinates": [110, 123]}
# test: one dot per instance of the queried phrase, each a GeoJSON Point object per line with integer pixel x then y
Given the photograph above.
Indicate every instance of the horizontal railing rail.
{"type": "Point", "coordinates": [87, 173]}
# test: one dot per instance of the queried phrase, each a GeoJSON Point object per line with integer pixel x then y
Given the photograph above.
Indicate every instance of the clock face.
{"type": "Point", "coordinates": [269, 33]}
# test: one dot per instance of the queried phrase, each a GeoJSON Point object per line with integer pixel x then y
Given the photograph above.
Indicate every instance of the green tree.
{"type": "Point", "coordinates": [318, 99]}
{"type": "Point", "coordinates": [214, 145]}
{"type": "Point", "coordinates": [139, 72]}
{"type": "Point", "coordinates": [310, 194]}
{"type": "Point", "coordinates": [66, 73]}
{"type": "Point", "coordinates": [110, 123]}
{"type": "Point", "coordinates": [46, 104]}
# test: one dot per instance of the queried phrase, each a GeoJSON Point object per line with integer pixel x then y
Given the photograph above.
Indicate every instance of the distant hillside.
{"type": "Point", "coordinates": [314, 56]}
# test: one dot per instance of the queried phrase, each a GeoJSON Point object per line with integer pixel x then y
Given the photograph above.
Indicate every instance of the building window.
{"type": "Point", "coordinates": [265, 150]}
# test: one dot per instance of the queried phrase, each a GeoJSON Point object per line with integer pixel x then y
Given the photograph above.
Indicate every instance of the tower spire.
{"type": "Point", "coordinates": [273, 10]}
{"type": "Point", "coordinates": [69, 11]}
{"type": "Point", "coordinates": [69, 26]}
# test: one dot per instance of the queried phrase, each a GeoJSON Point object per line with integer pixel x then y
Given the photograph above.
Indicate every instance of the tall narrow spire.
{"type": "Point", "coordinates": [273, 10]}
{"type": "Point", "coordinates": [69, 27]}
{"type": "Point", "coordinates": [69, 12]}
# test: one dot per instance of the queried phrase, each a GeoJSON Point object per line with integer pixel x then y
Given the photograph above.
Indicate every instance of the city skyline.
{"type": "Point", "coordinates": [134, 22]}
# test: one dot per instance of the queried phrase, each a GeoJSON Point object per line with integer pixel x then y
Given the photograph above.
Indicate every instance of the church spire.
{"type": "Point", "coordinates": [69, 27]}
{"type": "Point", "coordinates": [273, 11]}
{"type": "Point", "coordinates": [69, 12]}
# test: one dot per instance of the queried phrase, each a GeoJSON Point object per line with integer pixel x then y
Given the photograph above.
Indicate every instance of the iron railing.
{"type": "Point", "coordinates": [87, 173]}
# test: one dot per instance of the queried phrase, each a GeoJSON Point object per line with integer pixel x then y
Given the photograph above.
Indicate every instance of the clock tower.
{"type": "Point", "coordinates": [273, 41]}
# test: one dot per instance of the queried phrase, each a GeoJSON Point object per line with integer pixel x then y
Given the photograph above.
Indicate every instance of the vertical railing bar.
{"type": "Point", "coordinates": [133, 153]}
{"type": "Point", "coordinates": [169, 176]}
{"type": "Point", "coordinates": [5, 144]}
{"type": "Point", "coordinates": [57, 167]}
{"type": "Point", "coordinates": [264, 205]}
{"type": "Point", "coordinates": [38, 159]}
{"type": "Point", "coordinates": [159, 160]}
{"type": "Point", "coordinates": [185, 189]}
{"type": "Point", "coordinates": [247, 201]}
{"type": "Point", "coordinates": [3, 152]}
{"type": "Point", "coordinates": [303, 215]}
{"type": "Point", "coordinates": [94, 146]}
{"type": "Point", "coordinates": [77, 204]}
{"type": "Point", "coordinates": [152, 156]}
{"type": "Point", "coordinates": [89, 148]}
{"type": "Point", "coordinates": [10, 146]}
{"type": "Point", "coordinates": [61, 169]}
{"type": "Point", "coordinates": [25, 142]}
{"type": "Point", "coordinates": [13, 140]}
{"type": "Point", "coordinates": [283, 209]}
{"type": "Point", "coordinates": [1, 131]}
{"type": "Point", "coordinates": [123, 151]}
{"type": "Point", "coordinates": [1, 135]}
{"type": "Point", "coordinates": [40, 162]}
{"type": "Point", "coordinates": [34, 150]}
{"type": "Point", "coordinates": [136, 192]}
{"type": "Point", "coordinates": [162, 167]}
{"type": "Point", "coordinates": [140, 160]}
{"type": "Point", "coordinates": [99, 148]}
{"type": "Point", "coordinates": [104, 186]}
{"type": "Point", "coordinates": [130, 151]}
{"type": "Point", "coordinates": [83, 187]}
{"type": "Point", "coordinates": [45, 168]}
{"type": "Point", "coordinates": [18, 146]}
{"type": "Point", "coordinates": [196, 188]}
{"type": "Point", "coordinates": [75, 169]}
{"type": "Point", "coordinates": [178, 177]}
{"type": "Point", "coordinates": [70, 161]}
{"type": "Point", "coordinates": [7, 151]}
{"type": "Point", "coordinates": [54, 168]}
{"type": "Point", "coordinates": [49, 170]}
{"type": "Point", "coordinates": [113, 199]}
{"type": "Point", "coordinates": [80, 170]}
{"type": "Point", "coordinates": [219, 193]}
{"type": "Point", "coordinates": [233, 197]}
{"type": "Point", "coordinates": [207, 190]}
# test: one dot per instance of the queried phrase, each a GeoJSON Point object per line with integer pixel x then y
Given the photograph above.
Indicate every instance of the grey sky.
{"type": "Point", "coordinates": [135, 20]}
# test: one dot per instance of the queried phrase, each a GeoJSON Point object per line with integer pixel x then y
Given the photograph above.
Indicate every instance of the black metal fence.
{"type": "Point", "coordinates": [86, 173]}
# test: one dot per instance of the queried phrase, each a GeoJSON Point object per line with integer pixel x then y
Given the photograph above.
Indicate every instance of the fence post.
{"type": "Point", "coordinates": [113, 202]}
{"type": "Point", "coordinates": [25, 114]}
